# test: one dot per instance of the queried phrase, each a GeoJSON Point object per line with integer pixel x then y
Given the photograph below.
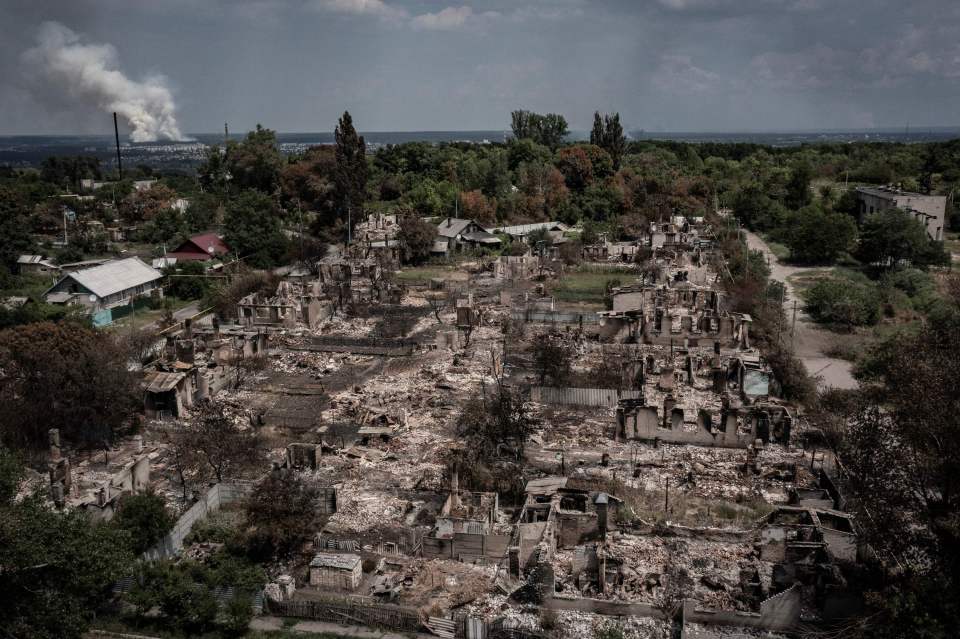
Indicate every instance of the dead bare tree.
{"type": "Point", "coordinates": [222, 445]}
{"type": "Point", "coordinates": [183, 457]}
{"type": "Point", "coordinates": [244, 366]}
{"type": "Point", "coordinates": [438, 300]}
{"type": "Point", "coordinates": [677, 584]}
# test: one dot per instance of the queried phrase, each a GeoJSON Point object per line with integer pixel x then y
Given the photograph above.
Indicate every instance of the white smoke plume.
{"type": "Point", "coordinates": [89, 72]}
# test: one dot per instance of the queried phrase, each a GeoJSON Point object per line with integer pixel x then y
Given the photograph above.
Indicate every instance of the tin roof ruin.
{"type": "Point", "coordinates": [161, 382]}
{"type": "Point", "coordinates": [340, 561]}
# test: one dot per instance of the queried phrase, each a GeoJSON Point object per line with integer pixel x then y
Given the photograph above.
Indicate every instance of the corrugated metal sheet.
{"type": "Point", "coordinates": [116, 276]}
{"type": "Point", "coordinates": [551, 317]}
{"type": "Point", "coordinates": [581, 396]}
{"type": "Point", "coordinates": [161, 382]}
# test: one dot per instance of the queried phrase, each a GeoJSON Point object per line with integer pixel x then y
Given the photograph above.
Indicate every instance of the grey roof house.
{"type": "Point", "coordinates": [454, 233]}
{"type": "Point", "coordinates": [106, 286]}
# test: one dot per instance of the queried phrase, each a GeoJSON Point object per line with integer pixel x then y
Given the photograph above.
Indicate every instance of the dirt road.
{"type": "Point", "coordinates": [809, 340]}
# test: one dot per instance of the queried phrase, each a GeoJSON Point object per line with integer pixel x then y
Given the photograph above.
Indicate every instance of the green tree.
{"type": "Point", "coordinates": [15, 238]}
{"type": "Point", "coordinates": [607, 133]}
{"type": "Point", "coordinates": [416, 237]}
{"type": "Point", "coordinates": [185, 603]}
{"type": "Point", "coordinates": [281, 514]}
{"type": "Point", "coordinates": [818, 236]}
{"type": "Point", "coordinates": [65, 375]}
{"type": "Point", "coordinates": [756, 210]}
{"type": "Point", "coordinates": [66, 172]}
{"type": "Point", "coordinates": [204, 213]}
{"type": "Point", "coordinates": [798, 188]}
{"type": "Point", "coordinates": [898, 443]}
{"type": "Point", "coordinates": [548, 130]}
{"type": "Point", "coordinates": [892, 236]}
{"type": "Point", "coordinates": [254, 231]}
{"type": "Point", "coordinates": [187, 281]}
{"type": "Point", "coordinates": [526, 151]}
{"type": "Point", "coordinates": [214, 174]}
{"type": "Point", "coordinates": [254, 163]}
{"type": "Point", "coordinates": [146, 519]}
{"type": "Point", "coordinates": [490, 423]}
{"type": "Point", "coordinates": [237, 615]}
{"type": "Point", "coordinates": [57, 567]}
{"type": "Point", "coordinates": [844, 302]}
{"type": "Point", "coordinates": [350, 176]}
{"type": "Point", "coordinates": [167, 226]}
{"type": "Point", "coordinates": [552, 359]}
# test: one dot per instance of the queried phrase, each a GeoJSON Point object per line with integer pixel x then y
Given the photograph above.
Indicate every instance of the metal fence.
{"type": "Point", "coordinates": [607, 397]}
{"type": "Point", "coordinates": [553, 317]}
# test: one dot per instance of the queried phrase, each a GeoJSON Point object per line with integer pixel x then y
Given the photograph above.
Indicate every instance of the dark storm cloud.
{"type": "Point", "coordinates": [453, 64]}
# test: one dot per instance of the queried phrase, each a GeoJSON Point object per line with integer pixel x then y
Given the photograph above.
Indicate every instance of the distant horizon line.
{"type": "Point", "coordinates": [879, 129]}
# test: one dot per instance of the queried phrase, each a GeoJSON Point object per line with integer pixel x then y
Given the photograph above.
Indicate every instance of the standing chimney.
{"type": "Point", "coordinates": [54, 434]}
{"type": "Point", "coordinates": [116, 135]}
{"type": "Point", "coordinates": [455, 489]}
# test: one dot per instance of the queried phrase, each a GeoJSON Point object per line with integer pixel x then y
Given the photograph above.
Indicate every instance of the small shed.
{"type": "Point", "coordinates": [166, 393]}
{"type": "Point", "coordinates": [336, 570]}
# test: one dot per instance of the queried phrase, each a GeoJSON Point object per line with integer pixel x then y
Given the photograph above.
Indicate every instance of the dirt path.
{"type": "Point", "coordinates": [308, 627]}
{"type": "Point", "coordinates": [809, 340]}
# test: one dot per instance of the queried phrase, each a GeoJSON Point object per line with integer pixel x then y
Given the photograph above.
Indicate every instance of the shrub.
{"type": "Point", "coordinates": [145, 517]}
{"type": "Point", "coordinates": [843, 302]}
{"type": "Point", "coordinates": [548, 619]}
{"type": "Point", "coordinates": [816, 236]}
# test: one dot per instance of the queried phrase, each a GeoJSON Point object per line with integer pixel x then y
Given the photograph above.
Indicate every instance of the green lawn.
{"type": "Point", "coordinates": [146, 316]}
{"type": "Point", "coordinates": [588, 286]}
{"type": "Point", "coordinates": [26, 285]}
{"type": "Point", "coordinates": [423, 274]}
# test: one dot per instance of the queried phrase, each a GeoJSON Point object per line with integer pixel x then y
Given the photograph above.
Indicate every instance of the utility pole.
{"type": "Point", "coordinates": [783, 291]}
{"type": "Point", "coordinates": [116, 136]}
{"type": "Point", "coordinates": [793, 324]}
{"type": "Point", "coordinates": [300, 223]}
{"type": "Point", "coordinates": [349, 223]}
{"type": "Point", "coordinates": [666, 496]}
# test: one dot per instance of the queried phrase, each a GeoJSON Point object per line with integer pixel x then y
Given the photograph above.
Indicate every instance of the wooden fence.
{"type": "Point", "coordinates": [467, 547]}
{"type": "Point", "coordinates": [350, 611]}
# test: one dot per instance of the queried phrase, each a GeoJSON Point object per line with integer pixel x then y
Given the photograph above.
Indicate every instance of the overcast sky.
{"type": "Point", "coordinates": [406, 65]}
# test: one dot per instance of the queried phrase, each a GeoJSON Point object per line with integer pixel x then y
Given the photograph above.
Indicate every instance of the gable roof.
{"type": "Point", "coordinates": [481, 237]}
{"type": "Point", "coordinates": [114, 276]}
{"type": "Point", "coordinates": [203, 243]}
{"type": "Point", "coordinates": [453, 226]}
{"type": "Point", "coordinates": [526, 229]}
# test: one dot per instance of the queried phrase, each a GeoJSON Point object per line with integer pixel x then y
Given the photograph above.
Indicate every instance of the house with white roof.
{"type": "Point", "coordinates": [108, 285]}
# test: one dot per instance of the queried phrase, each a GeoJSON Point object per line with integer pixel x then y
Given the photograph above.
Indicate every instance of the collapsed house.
{"type": "Point", "coordinates": [734, 427]}
{"type": "Point", "coordinates": [96, 488]}
{"type": "Point", "coordinates": [194, 365]}
{"type": "Point", "coordinates": [289, 307]}
{"type": "Point", "coordinates": [677, 313]}
{"type": "Point", "coordinates": [358, 282]}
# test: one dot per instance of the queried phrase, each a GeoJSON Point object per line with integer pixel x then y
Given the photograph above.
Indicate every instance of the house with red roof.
{"type": "Point", "coordinates": [203, 247]}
